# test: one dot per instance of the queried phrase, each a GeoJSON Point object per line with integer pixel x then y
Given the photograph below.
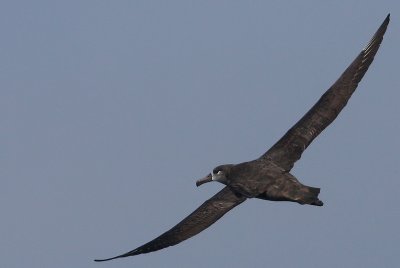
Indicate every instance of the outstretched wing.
{"type": "Point", "coordinates": [290, 147]}
{"type": "Point", "coordinates": [208, 213]}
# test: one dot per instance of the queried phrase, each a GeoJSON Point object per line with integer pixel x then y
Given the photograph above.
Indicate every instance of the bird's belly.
{"type": "Point", "coordinates": [253, 187]}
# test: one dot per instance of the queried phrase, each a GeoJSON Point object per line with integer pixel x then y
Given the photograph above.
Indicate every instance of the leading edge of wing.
{"type": "Point", "coordinates": [200, 219]}
{"type": "Point", "coordinates": [290, 147]}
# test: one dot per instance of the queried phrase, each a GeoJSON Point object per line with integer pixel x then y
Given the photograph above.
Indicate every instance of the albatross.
{"type": "Point", "coordinates": [268, 177]}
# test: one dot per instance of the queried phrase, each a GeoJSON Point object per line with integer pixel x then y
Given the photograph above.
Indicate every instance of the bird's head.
{"type": "Point", "coordinates": [220, 174]}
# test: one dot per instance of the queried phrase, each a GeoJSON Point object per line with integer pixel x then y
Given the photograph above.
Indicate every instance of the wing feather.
{"type": "Point", "coordinates": [290, 147]}
{"type": "Point", "coordinates": [204, 216]}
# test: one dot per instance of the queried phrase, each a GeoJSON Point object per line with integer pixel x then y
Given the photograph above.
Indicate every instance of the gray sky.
{"type": "Point", "coordinates": [110, 110]}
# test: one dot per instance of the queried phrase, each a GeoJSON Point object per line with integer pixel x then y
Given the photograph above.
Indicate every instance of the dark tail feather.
{"type": "Point", "coordinates": [311, 196]}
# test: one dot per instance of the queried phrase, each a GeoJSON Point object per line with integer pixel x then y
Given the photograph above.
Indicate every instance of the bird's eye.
{"type": "Point", "coordinates": [219, 172]}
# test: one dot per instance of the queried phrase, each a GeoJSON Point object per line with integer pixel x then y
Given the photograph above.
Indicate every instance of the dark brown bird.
{"type": "Point", "coordinates": [268, 177]}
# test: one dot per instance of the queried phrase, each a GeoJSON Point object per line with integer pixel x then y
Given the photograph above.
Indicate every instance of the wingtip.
{"type": "Point", "coordinates": [109, 259]}
{"type": "Point", "coordinates": [130, 253]}
{"type": "Point", "coordinates": [113, 258]}
{"type": "Point", "coordinates": [387, 19]}
{"type": "Point", "coordinates": [385, 22]}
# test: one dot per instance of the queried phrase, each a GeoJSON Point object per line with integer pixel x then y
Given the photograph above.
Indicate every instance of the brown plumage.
{"type": "Point", "coordinates": [268, 177]}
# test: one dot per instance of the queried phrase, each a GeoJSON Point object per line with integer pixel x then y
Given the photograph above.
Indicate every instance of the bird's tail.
{"type": "Point", "coordinates": [309, 195]}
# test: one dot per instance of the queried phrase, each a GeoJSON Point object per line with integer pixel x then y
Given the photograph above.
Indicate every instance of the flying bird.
{"type": "Point", "coordinates": [268, 177]}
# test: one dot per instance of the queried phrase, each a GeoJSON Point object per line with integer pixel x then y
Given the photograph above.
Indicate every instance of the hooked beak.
{"type": "Point", "coordinates": [207, 178]}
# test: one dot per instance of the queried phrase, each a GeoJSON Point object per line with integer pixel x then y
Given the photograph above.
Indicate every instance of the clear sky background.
{"type": "Point", "coordinates": [110, 111]}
